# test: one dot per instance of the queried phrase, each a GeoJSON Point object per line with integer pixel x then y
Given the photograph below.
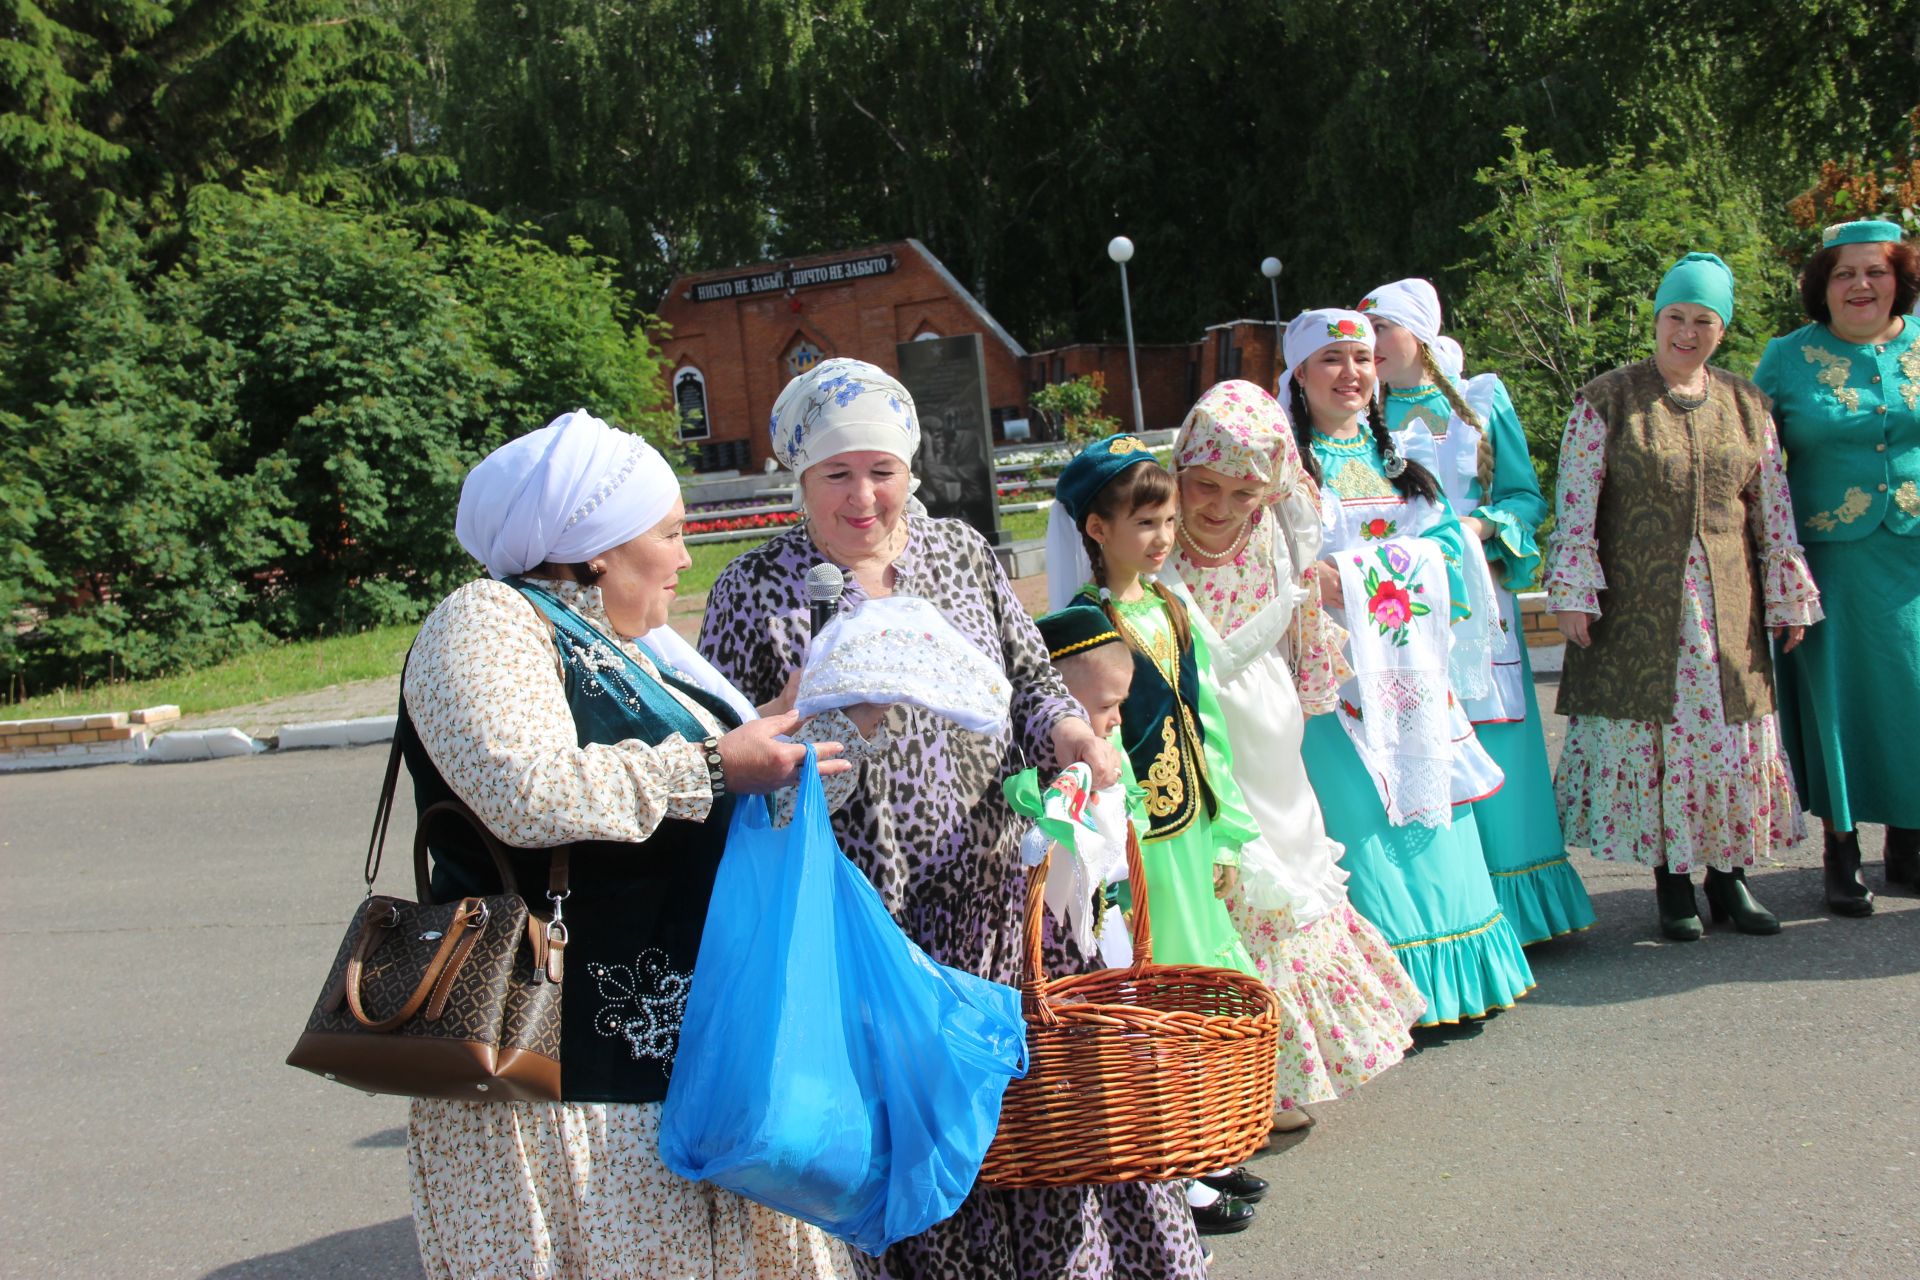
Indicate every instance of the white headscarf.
{"type": "Point", "coordinates": [1309, 331]}
{"type": "Point", "coordinates": [839, 406]}
{"type": "Point", "coordinates": [1411, 304]}
{"type": "Point", "coordinates": [1448, 357]}
{"type": "Point", "coordinates": [565, 493]}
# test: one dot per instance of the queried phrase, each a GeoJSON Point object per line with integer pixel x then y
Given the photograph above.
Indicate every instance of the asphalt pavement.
{"type": "Point", "coordinates": [1737, 1107]}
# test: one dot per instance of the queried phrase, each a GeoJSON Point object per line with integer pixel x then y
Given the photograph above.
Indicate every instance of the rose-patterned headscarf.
{"type": "Point", "coordinates": [1239, 430]}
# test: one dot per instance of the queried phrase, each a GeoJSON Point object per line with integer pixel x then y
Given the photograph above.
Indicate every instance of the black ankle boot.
{"type": "Point", "coordinates": [1846, 889]}
{"type": "Point", "coordinates": [1903, 856]}
{"type": "Point", "coordinates": [1679, 916]}
{"type": "Point", "coordinates": [1728, 898]}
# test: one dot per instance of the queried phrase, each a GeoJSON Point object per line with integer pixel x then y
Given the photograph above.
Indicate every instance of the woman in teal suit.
{"type": "Point", "coordinates": [1846, 393]}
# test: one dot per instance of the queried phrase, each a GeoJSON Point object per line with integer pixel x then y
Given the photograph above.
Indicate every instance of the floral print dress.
{"type": "Point", "coordinates": [563, 1190]}
{"type": "Point", "coordinates": [1691, 790]}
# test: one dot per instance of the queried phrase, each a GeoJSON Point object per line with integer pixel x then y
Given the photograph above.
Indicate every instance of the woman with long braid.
{"type": "Point", "coordinates": [1489, 480]}
{"type": "Point", "coordinates": [1395, 765]}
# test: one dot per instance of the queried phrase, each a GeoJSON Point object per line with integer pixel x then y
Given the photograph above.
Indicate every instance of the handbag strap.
{"type": "Point", "coordinates": [383, 810]}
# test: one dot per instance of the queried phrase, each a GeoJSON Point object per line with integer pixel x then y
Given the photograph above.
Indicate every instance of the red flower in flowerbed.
{"type": "Point", "coordinates": [744, 524]}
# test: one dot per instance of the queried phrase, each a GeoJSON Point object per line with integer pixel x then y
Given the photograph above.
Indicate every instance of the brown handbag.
{"type": "Point", "coordinates": [455, 1000]}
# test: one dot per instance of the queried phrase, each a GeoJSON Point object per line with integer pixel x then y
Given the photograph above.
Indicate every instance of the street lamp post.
{"type": "Point", "coordinates": [1270, 268]}
{"type": "Point", "coordinates": [1120, 249]}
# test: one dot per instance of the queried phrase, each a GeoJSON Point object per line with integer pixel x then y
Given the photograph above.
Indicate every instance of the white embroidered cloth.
{"type": "Point", "coordinates": [902, 649]}
{"type": "Point", "coordinates": [1395, 709]}
{"type": "Point", "coordinates": [1095, 856]}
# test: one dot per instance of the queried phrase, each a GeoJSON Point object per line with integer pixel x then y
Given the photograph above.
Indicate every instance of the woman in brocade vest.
{"type": "Point", "coordinates": [1846, 390]}
{"type": "Point", "coordinates": [551, 699]}
{"type": "Point", "coordinates": [1673, 507]}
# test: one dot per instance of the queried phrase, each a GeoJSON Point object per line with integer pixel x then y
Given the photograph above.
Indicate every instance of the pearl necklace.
{"type": "Point", "coordinates": [1213, 559]}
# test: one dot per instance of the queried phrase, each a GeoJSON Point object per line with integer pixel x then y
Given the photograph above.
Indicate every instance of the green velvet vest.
{"type": "Point", "coordinates": [1673, 475]}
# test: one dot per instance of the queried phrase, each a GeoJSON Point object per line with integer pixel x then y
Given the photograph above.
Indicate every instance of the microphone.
{"type": "Point", "coordinates": [824, 584]}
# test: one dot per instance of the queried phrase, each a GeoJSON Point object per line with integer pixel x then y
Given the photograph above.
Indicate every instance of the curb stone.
{"type": "Point", "coordinates": [201, 744]}
{"type": "Point", "coordinates": [336, 733]}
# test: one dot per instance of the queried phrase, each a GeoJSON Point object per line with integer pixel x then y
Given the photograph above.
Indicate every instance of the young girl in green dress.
{"type": "Point", "coordinates": [1122, 505]}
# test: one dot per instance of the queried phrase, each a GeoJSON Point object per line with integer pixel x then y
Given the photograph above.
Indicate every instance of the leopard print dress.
{"type": "Point", "coordinates": [928, 825]}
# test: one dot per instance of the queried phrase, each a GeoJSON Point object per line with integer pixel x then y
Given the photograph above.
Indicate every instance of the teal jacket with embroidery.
{"type": "Point", "coordinates": [1849, 418]}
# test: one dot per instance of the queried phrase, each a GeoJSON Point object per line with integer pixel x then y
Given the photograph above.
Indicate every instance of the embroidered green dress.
{"type": "Point", "coordinates": [1175, 741]}
{"type": "Point", "coordinates": [1520, 836]}
{"type": "Point", "coordinates": [1849, 696]}
{"type": "Point", "coordinates": [1425, 888]}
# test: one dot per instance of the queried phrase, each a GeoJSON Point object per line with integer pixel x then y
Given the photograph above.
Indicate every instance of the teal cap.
{"type": "Point", "coordinates": [1700, 278]}
{"type": "Point", "coordinates": [1093, 468]}
{"type": "Point", "coordinates": [1864, 231]}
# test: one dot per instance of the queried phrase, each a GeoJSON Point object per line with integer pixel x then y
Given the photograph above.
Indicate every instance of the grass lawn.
{"type": "Point", "coordinates": [302, 666]}
{"type": "Point", "coordinates": [299, 666]}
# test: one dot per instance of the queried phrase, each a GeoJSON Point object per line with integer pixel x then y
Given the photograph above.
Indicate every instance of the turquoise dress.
{"type": "Point", "coordinates": [1520, 834]}
{"type": "Point", "coordinates": [1425, 888]}
{"type": "Point", "coordinates": [1849, 695]}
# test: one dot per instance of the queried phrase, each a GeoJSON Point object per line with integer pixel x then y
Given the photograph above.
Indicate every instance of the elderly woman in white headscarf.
{"type": "Point", "coordinates": [551, 700]}
{"type": "Point", "coordinates": [927, 822]}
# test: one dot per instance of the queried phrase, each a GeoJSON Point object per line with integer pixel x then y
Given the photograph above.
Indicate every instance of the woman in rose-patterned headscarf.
{"type": "Point", "coordinates": [1249, 534]}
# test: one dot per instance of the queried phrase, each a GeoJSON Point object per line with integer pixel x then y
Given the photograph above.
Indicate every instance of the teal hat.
{"type": "Point", "coordinates": [1864, 231]}
{"type": "Point", "coordinates": [1075, 629]}
{"type": "Point", "coordinates": [1093, 469]}
{"type": "Point", "coordinates": [1701, 278]}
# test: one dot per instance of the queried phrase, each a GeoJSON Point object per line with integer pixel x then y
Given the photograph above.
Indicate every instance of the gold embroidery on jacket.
{"type": "Point", "coordinates": [1834, 371]}
{"type": "Point", "coordinates": [1851, 508]}
{"type": "Point", "coordinates": [1907, 497]}
{"type": "Point", "coordinates": [1165, 791]}
{"type": "Point", "coordinates": [1910, 385]}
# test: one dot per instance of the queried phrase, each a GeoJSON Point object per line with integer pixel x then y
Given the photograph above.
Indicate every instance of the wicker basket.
{"type": "Point", "coordinates": [1135, 1075]}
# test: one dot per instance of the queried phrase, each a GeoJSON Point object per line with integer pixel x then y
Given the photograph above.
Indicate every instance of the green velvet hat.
{"type": "Point", "coordinates": [1699, 278]}
{"type": "Point", "coordinates": [1076, 629]}
{"type": "Point", "coordinates": [1093, 468]}
{"type": "Point", "coordinates": [1863, 231]}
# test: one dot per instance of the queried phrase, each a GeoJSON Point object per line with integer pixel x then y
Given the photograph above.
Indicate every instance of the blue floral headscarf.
{"type": "Point", "coordinates": [839, 406]}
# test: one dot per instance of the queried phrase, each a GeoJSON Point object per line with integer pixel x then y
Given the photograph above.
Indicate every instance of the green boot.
{"type": "Point", "coordinates": [1728, 897]}
{"type": "Point", "coordinates": [1679, 915]}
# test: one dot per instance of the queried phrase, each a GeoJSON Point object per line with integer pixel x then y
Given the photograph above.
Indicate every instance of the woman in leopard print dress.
{"type": "Point", "coordinates": [926, 821]}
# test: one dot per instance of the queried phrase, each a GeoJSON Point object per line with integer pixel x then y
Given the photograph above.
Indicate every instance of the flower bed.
{"type": "Point", "coordinates": [744, 524]}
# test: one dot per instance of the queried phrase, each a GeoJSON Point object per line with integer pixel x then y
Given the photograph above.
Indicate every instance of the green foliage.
{"type": "Point", "coordinates": [1561, 287]}
{"type": "Point", "coordinates": [268, 439]}
{"type": "Point", "coordinates": [1072, 410]}
{"type": "Point", "coordinates": [134, 521]}
{"type": "Point", "coordinates": [564, 334]}
{"type": "Point", "coordinates": [117, 111]}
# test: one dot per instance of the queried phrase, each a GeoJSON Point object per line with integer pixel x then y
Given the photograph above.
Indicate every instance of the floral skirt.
{"type": "Point", "coordinates": [1345, 1002]}
{"type": "Point", "coordinates": [576, 1191]}
{"type": "Point", "coordinates": [1690, 791]}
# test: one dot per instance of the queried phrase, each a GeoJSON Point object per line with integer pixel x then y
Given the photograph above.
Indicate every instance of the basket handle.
{"type": "Point", "coordinates": [1142, 930]}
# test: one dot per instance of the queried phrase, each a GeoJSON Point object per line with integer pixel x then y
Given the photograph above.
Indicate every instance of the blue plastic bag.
{"type": "Point", "coordinates": [827, 1067]}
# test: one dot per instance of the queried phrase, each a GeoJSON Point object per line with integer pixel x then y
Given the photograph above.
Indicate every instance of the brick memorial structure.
{"type": "Point", "coordinates": [733, 338]}
{"type": "Point", "coordinates": [736, 337]}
